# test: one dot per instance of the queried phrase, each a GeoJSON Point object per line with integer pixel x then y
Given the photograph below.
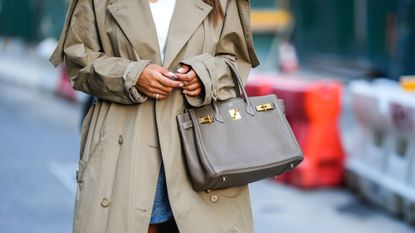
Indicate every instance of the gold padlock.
{"type": "Point", "coordinates": [235, 114]}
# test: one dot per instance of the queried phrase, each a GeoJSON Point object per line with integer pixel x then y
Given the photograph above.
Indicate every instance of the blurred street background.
{"type": "Point", "coordinates": [345, 69]}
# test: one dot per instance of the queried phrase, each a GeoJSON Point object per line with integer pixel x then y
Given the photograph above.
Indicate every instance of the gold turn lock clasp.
{"type": "Point", "coordinates": [264, 107]}
{"type": "Point", "coordinates": [206, 120]}
{"type": "Point", "coordinates": [235, 114]}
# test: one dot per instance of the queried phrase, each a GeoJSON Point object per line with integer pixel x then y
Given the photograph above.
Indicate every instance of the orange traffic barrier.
{"type": "Point", "coordinates": [313, 109]}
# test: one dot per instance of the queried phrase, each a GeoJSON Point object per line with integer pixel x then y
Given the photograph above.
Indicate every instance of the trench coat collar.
{"type": "Point", "coordinates": [187, 16]}
{"type": "Point", "coordinates": [135, 19]}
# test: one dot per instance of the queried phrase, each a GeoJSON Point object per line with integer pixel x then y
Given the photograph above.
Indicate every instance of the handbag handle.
{"type": "Point", "coordinates": [240, 91]}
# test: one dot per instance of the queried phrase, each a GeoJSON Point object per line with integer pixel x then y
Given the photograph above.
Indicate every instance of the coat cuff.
{"type": "Point", "coordinates": [199, 65]}
{"type": "Point", "coordinates": [131, 75]}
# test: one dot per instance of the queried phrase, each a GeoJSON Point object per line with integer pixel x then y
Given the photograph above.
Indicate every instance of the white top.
{"type": "Point", "coordinates": [162, 12]}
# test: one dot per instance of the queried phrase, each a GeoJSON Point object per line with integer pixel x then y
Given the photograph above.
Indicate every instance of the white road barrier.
{"type": "Point", "coordinates": [381, 163]}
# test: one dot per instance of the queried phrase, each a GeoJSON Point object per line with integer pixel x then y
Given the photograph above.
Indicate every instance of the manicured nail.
{"type": "Point", "coordinates": [180, 70]}
{"type": "Point", "coordinates": [180, 84]}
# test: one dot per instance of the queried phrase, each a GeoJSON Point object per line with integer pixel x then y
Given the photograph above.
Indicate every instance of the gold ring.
{"type": "Point", "coordinates": [157, 96]}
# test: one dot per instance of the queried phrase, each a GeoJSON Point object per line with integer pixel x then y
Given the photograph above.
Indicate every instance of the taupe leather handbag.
{"type": "Point", "coordinates": [238, 141]}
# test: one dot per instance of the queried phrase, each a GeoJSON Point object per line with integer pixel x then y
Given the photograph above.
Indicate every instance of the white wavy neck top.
{"type": "Point", "coordinates": [162, 12]}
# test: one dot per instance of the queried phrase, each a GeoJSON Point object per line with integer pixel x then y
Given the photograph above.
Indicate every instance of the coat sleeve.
{"type": "Point", "coordinates": [89, 68]}
{"type": "Point", "coordinates": [235, 44]}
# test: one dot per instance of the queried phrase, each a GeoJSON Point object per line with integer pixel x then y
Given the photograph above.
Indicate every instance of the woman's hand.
{"type": "Point", "coordinates": [192, 86]}
{"type": "Point", "coordinates": [157, 82]}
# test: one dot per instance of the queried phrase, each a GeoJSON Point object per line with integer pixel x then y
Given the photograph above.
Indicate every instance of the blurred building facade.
{"type": "Point", "coordinates": [272, 23]}
{"type": "Point", "coordinates": [374, 36]}
{"type": "Point", "coordinates": [32, 20]}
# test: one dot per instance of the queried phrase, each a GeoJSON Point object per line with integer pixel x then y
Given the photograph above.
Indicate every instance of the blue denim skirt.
{"type": "Point", "coordinates": [161, 207]}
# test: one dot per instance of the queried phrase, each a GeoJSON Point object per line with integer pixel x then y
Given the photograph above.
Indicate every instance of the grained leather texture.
{"type": "Point", "coordinates": [237, 152]}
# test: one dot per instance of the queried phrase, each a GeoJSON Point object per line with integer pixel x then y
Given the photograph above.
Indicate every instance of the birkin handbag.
{"type": "Point", "coordinates": [237, 141]}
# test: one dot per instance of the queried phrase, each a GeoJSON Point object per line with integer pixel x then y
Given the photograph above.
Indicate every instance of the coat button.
{"type": "Point", "coordinates": [120, 140]}
{"type": "Point", "coordinates": [105, 202]}
{"type": "Point", "coordinates": [214, 198]}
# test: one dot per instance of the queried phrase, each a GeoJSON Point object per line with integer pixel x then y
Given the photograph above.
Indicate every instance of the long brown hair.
{"type": "Point", "coordinates": [217, 13]}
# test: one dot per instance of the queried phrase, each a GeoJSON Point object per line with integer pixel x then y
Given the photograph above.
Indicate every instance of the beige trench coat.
{"type": "Point", "coordinates": [126, 135]}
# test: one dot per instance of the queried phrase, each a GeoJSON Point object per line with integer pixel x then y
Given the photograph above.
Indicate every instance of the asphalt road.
{"type": "Point", "coordinates": [39, 143]}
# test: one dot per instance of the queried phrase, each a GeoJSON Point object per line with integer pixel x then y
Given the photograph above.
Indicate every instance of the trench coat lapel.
{"type": "Point", "coordinates": [187, 16]}
{"type": "Point", "coordinates": [135, 19]}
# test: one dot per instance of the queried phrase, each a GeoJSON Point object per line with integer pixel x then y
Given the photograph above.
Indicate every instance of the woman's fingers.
{"type": "Point", "coordinates": [192, 86]}
{"type": "Point", "coordinates": [157, 82]}
{"type": "Point", "coordinates": [166, 82]}
{"type": "Point", "coordinates": [163, 85]}
{"type": "Point", "coordinates": [155, 91]}
{"type": "Point", "coordinates": [193, 93]}
{"type": "Point", "coordinates": [188, 78]}
{"type": "Point", "coordinates": [165, 72]}
{"type": "Point", "coordinates": [160, 97]}
{"type": "Point", "coordinates": [155, 95]}
{"type": "Point", "coordinates": [154, 84]}
{"type": "Point", "coordinates": [183, 69]}
{"type": "Point", "coordinates": [152, 92]}
{"type": "Point", "coordinates": [184, 78]}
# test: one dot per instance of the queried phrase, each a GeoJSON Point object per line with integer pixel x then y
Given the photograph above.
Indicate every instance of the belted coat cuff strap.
{"type": "Point", "coordinates": [131, 76]}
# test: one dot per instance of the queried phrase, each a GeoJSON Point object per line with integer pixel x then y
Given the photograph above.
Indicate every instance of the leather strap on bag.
{"type": "Point", "coordinates": [240, 90]}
